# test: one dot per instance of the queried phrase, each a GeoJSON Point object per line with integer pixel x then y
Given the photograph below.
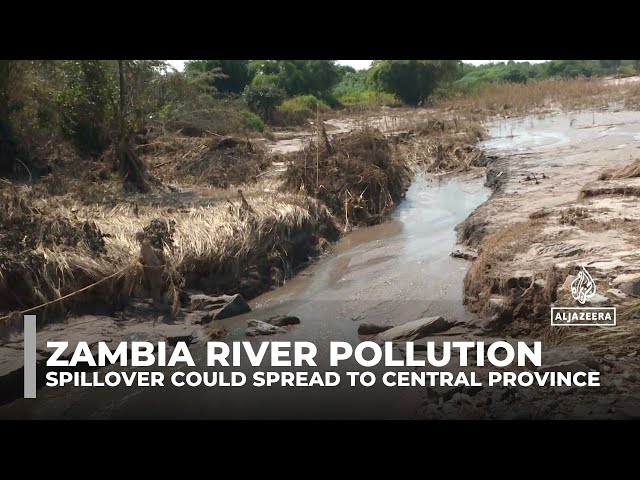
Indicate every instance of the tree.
{"type": "Point", "coordinates": [263, 99]}
{"type": "Point", "coordinates": [610, 66]}
{"type": "Point", "coordinates": [234, 73]}
{"type": "Point", "coordinates": [9, 73]}
{"type": "Point", "coordinates": [413, 80]}
{"type": "Point", "coordinates": [298, 77]}
{"type": "Point", "coordinates": [87, 103]}
{"type": "Point", "coordinates": [514, 75]}
{"type": "Point", "coordinates": [131, 167]}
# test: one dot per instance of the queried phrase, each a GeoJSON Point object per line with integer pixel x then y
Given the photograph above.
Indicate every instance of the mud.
{"type": "Point", "coordinates": [533, 233]}
{"type": "Point", "coordinates": [550, 202]}
{"type": "Point", "coordinates": [387, 274]}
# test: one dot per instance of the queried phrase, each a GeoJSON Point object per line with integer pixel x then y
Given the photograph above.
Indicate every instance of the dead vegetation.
{"type": "Point", "coordinates": [360, 176]}
{"type": "Point", "coordinates": [573, 215]}
{"type": "Point", "coordinates": [205, 160]}
{"type": "Point", "coordinates": [509, 296]}
{"type": "Point", "coordinates": [447, 145]}
{"type": "Point", "coordinates": [611, 188]}
{"type": "Point", "coordinates": [543, 96]}
{"type": "Point", "coordinates": [49, 251]}
{"type": "Point", "coordinates": [619, 340]}
{"type": "Point", "coordinates": [628, 171]}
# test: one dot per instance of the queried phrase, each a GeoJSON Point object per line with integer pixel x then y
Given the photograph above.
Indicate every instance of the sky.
{"type": "Point", "coordinates": [360, 64]}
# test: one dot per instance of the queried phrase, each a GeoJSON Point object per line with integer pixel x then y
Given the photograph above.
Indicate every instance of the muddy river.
{"type": "Point", "coordinates": [388, 274]}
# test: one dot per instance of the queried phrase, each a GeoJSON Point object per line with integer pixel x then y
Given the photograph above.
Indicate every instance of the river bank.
{"type": "Point", "coordinates": [400, 270]}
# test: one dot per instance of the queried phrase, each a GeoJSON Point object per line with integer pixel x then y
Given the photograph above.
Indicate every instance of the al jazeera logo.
{"type": "Point", "coordinates": [583, 289]}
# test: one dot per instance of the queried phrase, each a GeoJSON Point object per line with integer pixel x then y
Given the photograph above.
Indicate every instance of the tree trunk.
{"type": "Point", "coordinates": [7, 144]}
{"type": "Point", "coordinates": [132, 169]}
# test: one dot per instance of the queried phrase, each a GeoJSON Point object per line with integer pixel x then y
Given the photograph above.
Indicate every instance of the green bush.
{"type": "Point", "coordinates": [252, 121]}
{"type": "Point", "coordinates": [369, 98]}
{"type": "Point", "coordinates": [626, 71]}
{"type": "Point", "coordinates": [86, 102]}
{"type": "Point", "coordinates": [413, 80]}
{"type": "Point", "coordinates": [262, 80]}
{"type": "Point", "coordinates": [303, 103]}
{"type": "Point", "coordinates": [263, 99]}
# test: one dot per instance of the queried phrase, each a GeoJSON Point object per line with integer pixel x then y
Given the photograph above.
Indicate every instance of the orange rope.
{"type": "Point", "coordinates": [32, 309]}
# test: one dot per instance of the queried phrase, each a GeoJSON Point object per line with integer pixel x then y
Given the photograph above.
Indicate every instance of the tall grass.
{"type": "Point", "coordinates": [218, 241]}
{"type": "Point", "coordinates": [543, 96]}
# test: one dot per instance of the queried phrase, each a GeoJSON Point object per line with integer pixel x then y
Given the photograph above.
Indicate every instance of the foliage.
{"type": "Point", "coordinates": [521, 72]}
{"type": "Point", "coordinates": [87, 103]}
{"type": "Point", "coordinates": [413, 80]}
{"type": "Point", "coordinates": [232, 75]}
{"type": "Point", "coordinates": [262, 80]}
{"type": "Point", "coordinates": [370, 99]}
{"type": "Point", "coordinates": [303, 103]}
{"type": "Point", "coordinates": [263, 100]}
{"type": "Point", "coordinates": [298, 77]}
{"type": "Point", "coordinates": [352, 83]}
{"type": "Point", "coordinates": [252, 121]}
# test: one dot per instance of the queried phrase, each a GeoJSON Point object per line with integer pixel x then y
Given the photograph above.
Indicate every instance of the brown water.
{"type": "Point", "coordinates": [387, 274]}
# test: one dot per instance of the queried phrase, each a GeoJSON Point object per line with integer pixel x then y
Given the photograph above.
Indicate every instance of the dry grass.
{"type": "Point", "coordinates": [215, 246]}
{"type": "Point", "coordinates": [624, 190]}
{"type": "Point", "coordinates": [447, 145]}
{"type": "Point", "coordinates": [621, 339]}
{"type": "Point", "coordinates": [210, 161]}
{"type": "Point", "coordinates": [513, 99]}
{"type": "Point", "coordinates": [360, 176]}
{"type": "Point", "coordinates": [490, 275]}
{"type": "Point", "coordinates": [628, 171]}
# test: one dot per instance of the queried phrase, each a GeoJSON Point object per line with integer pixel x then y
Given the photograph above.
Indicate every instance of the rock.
{"type": "Point", "coordinates": [628, 283]}
{"type": "Point", "coordinates": [626, 278]}
{"type": "Point", "coordinates": [198, 318]}
{"type": "Point", "coordinates": [445, 392]}
{"type": "Point", "coordinates": [597, 298]}
{"type": "Point", "coordinates": [283, 320]}
{"type": "Point", "coordinates": [497, 321]}
{"type": "Point", "coordinates": [609, 358]}
{"type": "Point", "coordinates": [415, 329]}
{"type": "Point", "coordinates": [372, 329]}
{"type": "Point", "coordinates": [496, 304]}
{"type": "Point", "coordinates": [215, 331]}
{"type": "Point", "coordinates": [571, 366]}
{"type": "Point", "coordinates": [224, 306]}
{"type": "Point", "coordinates": [461, 399]}
{"type": "Point", "coordinates": [565, 354]}
{"type": "Point", "coordinates": [464, 253]}
{"type": "Point", "coordinates": [631, 288]}
{"type": "Point", "coordinates": [616, 292]}
{"type": "Point", "coordinates": [520, 279]}
{"type": "Point", "coordinates": [258, 327]}
{"type": "Point", "coordinates": [148, 336]}
{"type": "Point", "coordinates": [566, 389]}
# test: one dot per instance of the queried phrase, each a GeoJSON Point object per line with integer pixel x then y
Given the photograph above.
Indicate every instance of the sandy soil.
{"type": "Point", "coordinates": [546, 165]}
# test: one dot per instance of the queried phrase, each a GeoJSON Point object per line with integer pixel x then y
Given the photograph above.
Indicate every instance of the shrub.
{"type": "Point", "coordinates": [302, 103]}
{"type": "Point", "coordinates": [263, 99]}
{"type": "Point", "coordinates": [626, 71]}
{"type": "Point", "coordinates": [369, 98]}
{"type": "Point", "coordinates": [252, 121]}
{"type": "Point", "coordinates": [262, 80]}
{"type": "Point", "coordinates": [413, 80]}
{"type": "Point", "coordinates": [86, 104]}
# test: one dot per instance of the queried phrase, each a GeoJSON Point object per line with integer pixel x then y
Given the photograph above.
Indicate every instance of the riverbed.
{"type": "Point", "coordinates": [387, 274]}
